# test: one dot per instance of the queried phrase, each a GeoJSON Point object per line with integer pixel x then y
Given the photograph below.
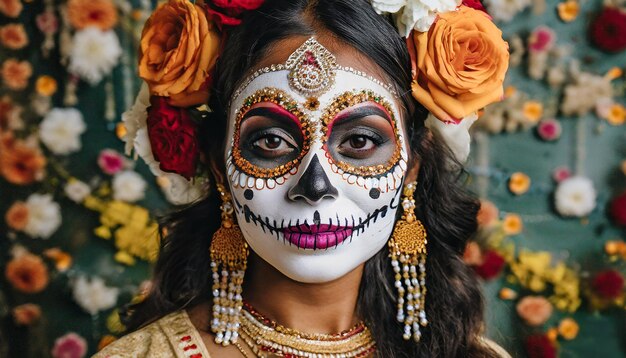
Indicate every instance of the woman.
{"type": "Point", "coordinates": [315, 145]}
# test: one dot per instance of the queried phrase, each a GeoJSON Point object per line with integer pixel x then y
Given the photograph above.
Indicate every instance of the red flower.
{"type": "Point", "coordinates": [228, 12]}
{"type": "Point", "coordinates": [608, 284]}
{"type": "Point", "coordinates": [474, 4]}
{"type": "Point", "coordinates": [608, 30]}
{"type": "Point", "coordinates": [618, 209]}
{"type": "Point", "coordinates": [539, 346]}
{"type": "Point", "coordinates": [172, 135]}
{"type": "Point", "coordinates": [238, 5]}
{"type": "Point", "coordinates": [492, 265]}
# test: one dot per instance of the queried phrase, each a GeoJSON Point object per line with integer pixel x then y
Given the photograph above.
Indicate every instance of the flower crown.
{"type": "Point", "coordinates": [459, 61]}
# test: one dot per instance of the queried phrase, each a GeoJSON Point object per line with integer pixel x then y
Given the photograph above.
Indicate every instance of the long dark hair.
{"type": "Point", "coordinates": [454, 303]}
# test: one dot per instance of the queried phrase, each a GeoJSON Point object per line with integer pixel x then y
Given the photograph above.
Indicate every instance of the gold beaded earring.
{"type": "Point", "coordinates": [229, 254]}
{"type": "Point", "coordinates": [407, 250]}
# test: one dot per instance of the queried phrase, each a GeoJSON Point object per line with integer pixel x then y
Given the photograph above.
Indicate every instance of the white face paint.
{"type": "Point", "coordinates": [316, 162]}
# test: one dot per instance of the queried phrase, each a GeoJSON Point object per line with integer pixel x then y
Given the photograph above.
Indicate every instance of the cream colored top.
{"type": "Point", "coordinates": [171, 336]}
{"type": "Point", "coordinates": [175, 336]}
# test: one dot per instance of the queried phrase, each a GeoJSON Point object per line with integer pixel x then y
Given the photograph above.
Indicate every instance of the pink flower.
{"type": "Point", "coordinates": [488, 214]}
{"type": "Point", "coordinates": [541, 39]}
{"type": "Point", "coordinates": [549, 129]}
{"type": "Point", "coordinates": [70, 345]}
{"type": "Point", "coordinates": [561, 173]}
{"type": "Point", "coordinates": [47, 22]}
{"type": "Point", "coordinates": [534, 310]}
{"type": "Point", "coordinates": [111, 161]}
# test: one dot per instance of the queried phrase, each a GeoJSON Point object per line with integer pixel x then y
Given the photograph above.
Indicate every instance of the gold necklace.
{"type": "Point", "coordinates": [266, 337]}
{"type": "Point", "coordinates": [243, 351]}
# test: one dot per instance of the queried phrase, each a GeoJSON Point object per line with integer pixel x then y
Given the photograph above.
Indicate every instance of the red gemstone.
{"type": "Point", "coordinates": [193, 346]}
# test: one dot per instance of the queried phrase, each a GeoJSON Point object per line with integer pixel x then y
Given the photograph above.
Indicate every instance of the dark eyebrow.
{"type": "Point", "coordinates": [360, 112]}
{"type": "Point", "coordinates": [276, 113]}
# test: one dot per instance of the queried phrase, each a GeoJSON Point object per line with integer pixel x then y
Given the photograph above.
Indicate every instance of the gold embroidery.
{"type": "Point", "coordinates": [170, 336]}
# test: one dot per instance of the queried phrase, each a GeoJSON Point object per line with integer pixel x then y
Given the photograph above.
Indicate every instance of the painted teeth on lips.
{"type": "Point", "coordinates": [314, 237]}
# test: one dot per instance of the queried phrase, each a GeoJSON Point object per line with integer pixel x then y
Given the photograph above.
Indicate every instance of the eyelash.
{"type": "Point", "coordinates": [361, 132]}
{"type": "Point", "coordinates": [266, 133]}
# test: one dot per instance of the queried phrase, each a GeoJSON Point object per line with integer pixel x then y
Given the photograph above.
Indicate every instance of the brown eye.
{"type": "Point", "coordinates": [266, 144]}
{"type": "Point", "coordinates": [272, 141]}
{"type": "Point", "coordinates": [358, 142]}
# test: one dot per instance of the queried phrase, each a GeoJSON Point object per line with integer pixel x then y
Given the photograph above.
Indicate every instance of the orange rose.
{"type": "Point", "coordinates": [534, 310]}
{"type": "Point", "coordinates": [179, 47]}
{"type": "Point", "coordinates": [17, 216]}
{"type": "Point", "coordinates": [20, 163]}
{"type": "Point", "coordinates": [460, 64]}
{"type": "Point", "coordinates": [26, 314]}
{"type": "Point", "coordinates": [11, 8]}
{"type": "Point", "coordinates": [99, 13]}
{"type": "Point", "coordinates": [27, 273]}
{"type": "Point", "coordinates": [15, 74]}
{"type": "Point", "coordinates": [13, 36]}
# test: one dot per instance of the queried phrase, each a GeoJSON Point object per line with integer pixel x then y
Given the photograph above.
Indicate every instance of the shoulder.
{"type": "Point", "coordinates": [495, 347]}
{"type": "Point", "coordinates": [170, 336]}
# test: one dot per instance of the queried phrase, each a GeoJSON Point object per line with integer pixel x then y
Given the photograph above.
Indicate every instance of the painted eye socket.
{"type": "Point", "coordinates": [269, 140]}
{"type": "Point", "coordinates": [271, 134]}
{"type": "Point", "coordinates": [362, 135]}
{"type": "Point", "coordinates": [362, 141]}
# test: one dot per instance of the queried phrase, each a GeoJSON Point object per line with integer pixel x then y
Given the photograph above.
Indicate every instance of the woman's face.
{"type": "Point", "coordinates": [316, 157]}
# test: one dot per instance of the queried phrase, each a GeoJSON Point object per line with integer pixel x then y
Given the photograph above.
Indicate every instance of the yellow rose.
{"type": "Point", "coordinates": [460, 64]}
{"type": "Point", "coordinates": [179, 47]}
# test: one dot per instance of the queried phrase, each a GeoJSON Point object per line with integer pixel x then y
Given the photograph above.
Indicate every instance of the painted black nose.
{"type": "Point", "coordinates": [313, 185]}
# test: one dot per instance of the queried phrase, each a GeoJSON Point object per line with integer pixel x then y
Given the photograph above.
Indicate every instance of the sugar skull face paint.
{"type": "Point", "coordinates": [316, 162]}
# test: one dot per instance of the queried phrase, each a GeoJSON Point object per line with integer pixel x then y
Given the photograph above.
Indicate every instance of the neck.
{"type": "Point", "coordinates": [326, 308]}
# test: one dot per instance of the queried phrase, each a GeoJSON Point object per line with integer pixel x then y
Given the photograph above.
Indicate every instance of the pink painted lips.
{"type": "Point", "coordinates": [315, 237]}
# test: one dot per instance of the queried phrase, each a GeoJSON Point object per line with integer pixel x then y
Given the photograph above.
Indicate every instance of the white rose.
{"type": "Point", "coordinates": [76, 190]}
{"type": "Point", "coordinates": [136, 117]}
{"type": "Point", "coordinates": [456, 136]}
{"type": "Point", "coordinates": [505, 10]}
{"type": "Point", "coordinates": [44, 216]}
{"type": "Point", "coordinates": [128, 186]}
{"type": "Point", "coordinates": [94, 53]}
{"type": "Point", "coordinates": [420, 14]}
{"type": "Point", "coordinates": [60, 130]}
{"type": "Point", "coordinates": [575, 196]}
{"type": "Point", "coordinates": [93, 295]}
{"type": "Point", "coordinates": [388, 6]}
{"type": "Point", "coordinates": [180, 191]}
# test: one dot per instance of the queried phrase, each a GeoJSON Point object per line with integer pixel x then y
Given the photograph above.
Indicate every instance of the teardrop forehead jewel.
{"type": "Point", "coordinates": [312, 71]}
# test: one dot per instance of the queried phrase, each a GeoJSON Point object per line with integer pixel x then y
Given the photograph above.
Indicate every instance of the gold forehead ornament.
{"type": "Point", "coordinates": [312, 71]}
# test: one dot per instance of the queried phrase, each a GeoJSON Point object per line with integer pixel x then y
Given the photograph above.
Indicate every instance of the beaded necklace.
{"type": "Point", "coordinates": [266, 337]}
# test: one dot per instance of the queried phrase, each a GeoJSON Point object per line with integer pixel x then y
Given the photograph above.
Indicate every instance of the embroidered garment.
{"type": "Point", "coordinates": [175, 336]}
{"type": "Point", "coordinates": [171, 336]}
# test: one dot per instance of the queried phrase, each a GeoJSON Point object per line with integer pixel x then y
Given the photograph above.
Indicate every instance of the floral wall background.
{"type": "Point", "coordinates": [78, 231]}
